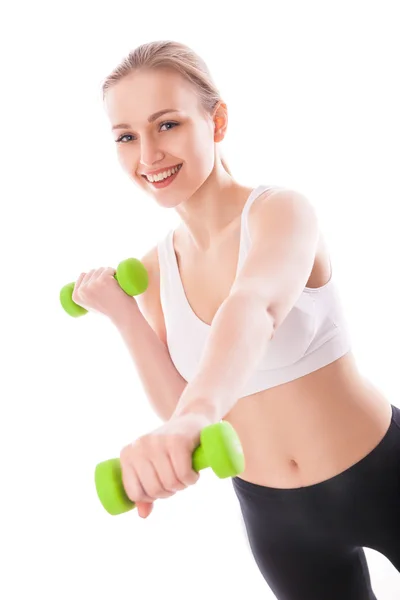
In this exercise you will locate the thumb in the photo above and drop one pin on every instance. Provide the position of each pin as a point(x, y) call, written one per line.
point(144, 508)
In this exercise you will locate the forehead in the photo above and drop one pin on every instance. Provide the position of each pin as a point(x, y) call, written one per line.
point(142, 93)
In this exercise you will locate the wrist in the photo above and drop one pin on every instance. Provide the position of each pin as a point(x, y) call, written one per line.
point(125, 313)
point(201, 408)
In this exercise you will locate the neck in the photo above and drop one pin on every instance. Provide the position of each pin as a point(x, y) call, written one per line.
point(209, 214)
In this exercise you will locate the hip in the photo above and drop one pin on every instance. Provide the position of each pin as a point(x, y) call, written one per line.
point(363, 497)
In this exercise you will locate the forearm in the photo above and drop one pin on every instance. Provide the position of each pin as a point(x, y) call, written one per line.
point(240, 332)
point(161, 381)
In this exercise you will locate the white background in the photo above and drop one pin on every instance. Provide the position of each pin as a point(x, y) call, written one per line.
point(313, 98)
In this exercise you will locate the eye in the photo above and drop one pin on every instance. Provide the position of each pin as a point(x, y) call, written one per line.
point(127, 135)
point(119, 140)
point(169, 123)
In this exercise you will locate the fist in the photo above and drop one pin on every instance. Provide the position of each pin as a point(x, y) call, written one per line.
point(99, 291)
point(159, 464)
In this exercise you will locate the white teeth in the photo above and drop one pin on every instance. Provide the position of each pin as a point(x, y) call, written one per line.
point(161, 176)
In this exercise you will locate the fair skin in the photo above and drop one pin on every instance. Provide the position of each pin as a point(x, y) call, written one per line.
point(207, 199)
point(295, 434)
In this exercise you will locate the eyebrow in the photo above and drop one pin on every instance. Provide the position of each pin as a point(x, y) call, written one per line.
point(150, 119)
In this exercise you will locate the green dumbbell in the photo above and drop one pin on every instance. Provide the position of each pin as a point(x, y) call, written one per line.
point(131, 275)
point(219, 448)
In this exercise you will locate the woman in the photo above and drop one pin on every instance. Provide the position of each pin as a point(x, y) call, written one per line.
point(242, 322)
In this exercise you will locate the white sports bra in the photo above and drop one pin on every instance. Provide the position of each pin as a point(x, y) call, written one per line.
point(313, 334)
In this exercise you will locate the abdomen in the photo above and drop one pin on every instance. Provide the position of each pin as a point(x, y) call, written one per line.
point(308, 430)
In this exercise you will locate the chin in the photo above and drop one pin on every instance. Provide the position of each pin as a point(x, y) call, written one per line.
point(168, 201)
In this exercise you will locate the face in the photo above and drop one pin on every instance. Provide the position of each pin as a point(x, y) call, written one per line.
point(184, 139)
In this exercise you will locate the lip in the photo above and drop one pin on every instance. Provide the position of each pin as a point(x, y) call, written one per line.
point(160, 170)
point(164, 183)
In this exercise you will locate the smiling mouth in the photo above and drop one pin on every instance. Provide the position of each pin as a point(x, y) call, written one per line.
point(165, 181)
point(158, 177)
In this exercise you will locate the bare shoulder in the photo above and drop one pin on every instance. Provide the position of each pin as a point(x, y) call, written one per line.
point(289, 203)
point(283, 207)
point(149, 302)
point(282, 198)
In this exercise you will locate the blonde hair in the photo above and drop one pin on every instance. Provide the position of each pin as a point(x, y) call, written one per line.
point(173, 55)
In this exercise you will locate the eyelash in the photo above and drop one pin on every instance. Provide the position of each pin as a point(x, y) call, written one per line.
point(118, 141)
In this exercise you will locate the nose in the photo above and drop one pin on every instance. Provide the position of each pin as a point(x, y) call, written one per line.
point(149, 152)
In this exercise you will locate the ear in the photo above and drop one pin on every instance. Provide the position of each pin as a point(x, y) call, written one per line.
point(220, 118)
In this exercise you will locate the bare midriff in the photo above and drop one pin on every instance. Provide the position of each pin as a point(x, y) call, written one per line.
point(311, 429)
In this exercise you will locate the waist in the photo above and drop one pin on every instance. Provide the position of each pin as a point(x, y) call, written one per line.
point(310, 429)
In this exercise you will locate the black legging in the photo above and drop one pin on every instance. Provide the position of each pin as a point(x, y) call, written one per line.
point(308, 542)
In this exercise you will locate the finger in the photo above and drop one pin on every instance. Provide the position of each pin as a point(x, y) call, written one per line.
point(151, 482)
point(98, 273)
point(77, 285)
point(103, 273)
point(144, 509)
point(182, 463)
point(88, 277)
point(80, 278)
point(109, 271)
point(132, 484)
point(166, 473)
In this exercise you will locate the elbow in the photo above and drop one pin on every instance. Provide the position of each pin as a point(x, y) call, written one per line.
point(271, 321)
point(267, 313)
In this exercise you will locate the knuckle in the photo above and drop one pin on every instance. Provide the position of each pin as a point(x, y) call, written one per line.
point(150, 486)
point(155, 486)
point(194, 477)
point(153, 490)
point(89, 274)
point(131, 486)
point(133, 493)
point(188, 476)
point(174, 443)
point(77, 296)
point(125, 454)
point(174, 485)
point(99, 272)
point(140, 495)
point(142, 445)
point(189, 480)
point(170, 482)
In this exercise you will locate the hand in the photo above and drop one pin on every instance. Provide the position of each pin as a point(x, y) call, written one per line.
point(159, 464)
point(100, 292)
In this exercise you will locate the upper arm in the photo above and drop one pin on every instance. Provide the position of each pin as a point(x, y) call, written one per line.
point(284, 234)
point(149, 302)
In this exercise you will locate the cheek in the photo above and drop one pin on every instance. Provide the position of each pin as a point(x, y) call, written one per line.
point(200, 150)
point(203, 156)
point(124, 159)
point(195, 142)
